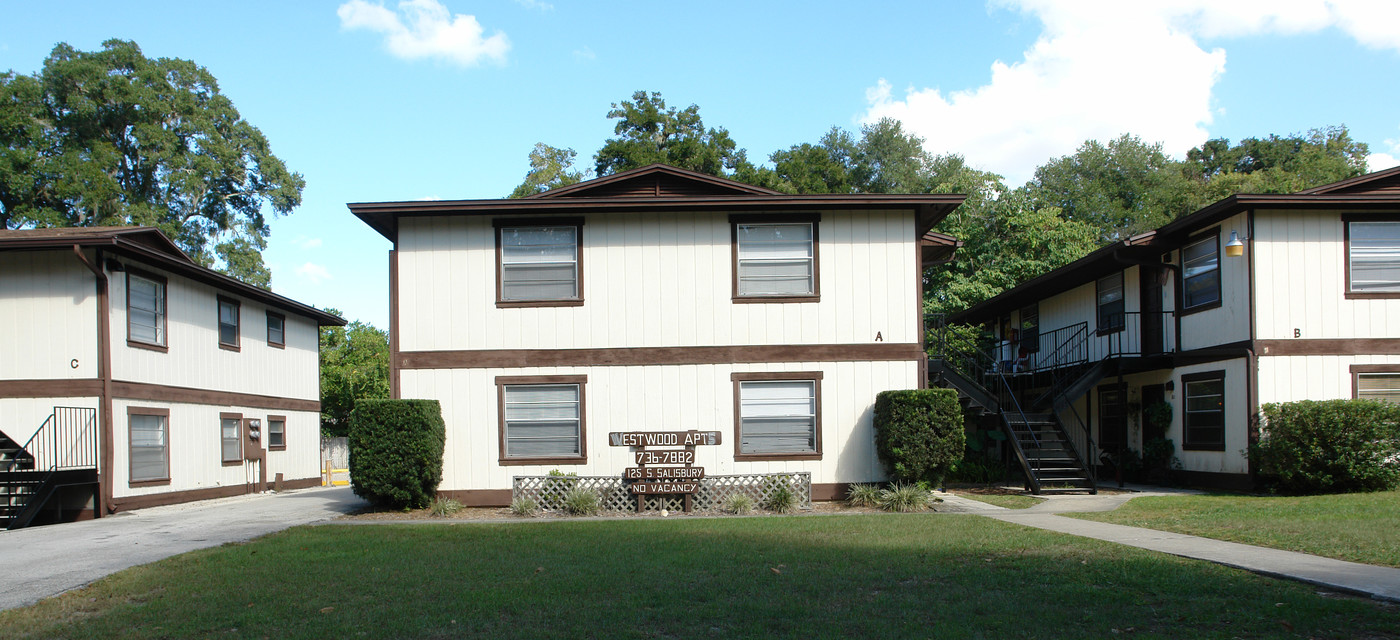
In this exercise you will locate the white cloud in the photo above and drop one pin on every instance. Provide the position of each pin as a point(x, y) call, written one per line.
point(313, 273)
point(426, 29)
point(308, 243)
point(585, 54)
point(1102, 68)
point(535, 4)
point(1378, 161)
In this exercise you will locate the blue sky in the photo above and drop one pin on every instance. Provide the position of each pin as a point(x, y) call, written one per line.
point(443, 99)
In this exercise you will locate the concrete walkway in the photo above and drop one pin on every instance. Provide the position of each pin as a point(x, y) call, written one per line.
point(1382, 583)
point(46, 561)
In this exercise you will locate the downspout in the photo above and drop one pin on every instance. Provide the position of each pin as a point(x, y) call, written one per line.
point(1251, 370)
point(394, 321)
point(104, 375)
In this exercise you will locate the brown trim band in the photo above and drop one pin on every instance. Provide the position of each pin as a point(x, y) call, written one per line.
point(192, 495)
point(479, 497)
point(53, 388)
point(830, 491)
point(186, 395)
point(647, 356)
point(1328, 347)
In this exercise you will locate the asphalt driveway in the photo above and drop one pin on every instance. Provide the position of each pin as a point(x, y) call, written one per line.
point(46, 561)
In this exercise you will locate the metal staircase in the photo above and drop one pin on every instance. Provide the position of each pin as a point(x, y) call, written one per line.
point(1050, 459)
point(60, 455)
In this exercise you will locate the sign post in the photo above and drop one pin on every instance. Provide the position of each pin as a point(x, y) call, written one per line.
point(680, 476)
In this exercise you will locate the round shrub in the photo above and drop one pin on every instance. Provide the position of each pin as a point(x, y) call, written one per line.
point(396, 451)
point(1328, 446)
point(918, 433)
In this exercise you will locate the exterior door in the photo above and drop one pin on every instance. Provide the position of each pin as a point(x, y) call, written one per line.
point(1150, 281)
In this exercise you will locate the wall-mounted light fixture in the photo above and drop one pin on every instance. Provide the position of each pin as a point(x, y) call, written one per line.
point(1235, 247)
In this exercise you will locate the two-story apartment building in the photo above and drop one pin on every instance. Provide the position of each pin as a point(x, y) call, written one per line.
point(1251, 300)
point(657, 300)
point(125, 364)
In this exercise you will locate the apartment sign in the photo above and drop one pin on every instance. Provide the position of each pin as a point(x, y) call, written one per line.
point(680, 477)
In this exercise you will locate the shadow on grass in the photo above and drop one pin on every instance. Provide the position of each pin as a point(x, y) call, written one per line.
point(849, 576)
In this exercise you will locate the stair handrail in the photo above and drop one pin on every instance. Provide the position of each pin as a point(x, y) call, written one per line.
point(44, 445)
point(1059, 383)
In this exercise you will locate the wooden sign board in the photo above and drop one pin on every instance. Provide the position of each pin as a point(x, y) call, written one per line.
point(668, 456)
point(663, 438)
point(664, 473)
point(663, 487)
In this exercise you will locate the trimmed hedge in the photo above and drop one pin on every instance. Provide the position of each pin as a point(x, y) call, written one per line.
point(396, 451)
point(919, 433)
point(1328, 446)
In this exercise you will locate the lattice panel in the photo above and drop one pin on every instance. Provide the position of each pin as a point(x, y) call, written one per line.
point(551, 491)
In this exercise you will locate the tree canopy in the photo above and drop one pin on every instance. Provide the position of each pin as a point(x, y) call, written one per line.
point(550, 167)
point(354, 365)
point(112, 137)
point(649, 132)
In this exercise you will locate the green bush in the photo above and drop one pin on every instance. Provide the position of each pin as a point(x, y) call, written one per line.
point(781, 497)
point(524, 507)
point(904, 498)
point(443, 507)
point(582, 502)
point(919, 433)
point(1328, 446)
point(738, 504)
point(863, 495)
point(396, 451)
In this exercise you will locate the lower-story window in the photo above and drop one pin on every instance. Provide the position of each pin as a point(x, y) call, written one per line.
point(1204, 417)
point(542, 419)
point(231, 437)
point(777, 415)
point(149, 440)
point(1379, 386)
point(276, 433)
point(1113, 418)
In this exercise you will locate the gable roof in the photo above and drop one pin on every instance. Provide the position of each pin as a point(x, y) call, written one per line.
point(150, 246)
point(655, 180)
point(657, 189)
point(1378, 190)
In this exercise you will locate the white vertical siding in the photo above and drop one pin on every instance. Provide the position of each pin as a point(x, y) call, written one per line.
point(194, 358)
point(660, 398)
point(1229, 322)
point(1300, 272)
point(652, 280)
point(20, 418)
point(48, 316)
point(1292, 378)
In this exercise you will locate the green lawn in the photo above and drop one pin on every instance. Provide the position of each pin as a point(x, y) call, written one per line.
point(842, 576)
point(1003, 500)
point(1361, 527)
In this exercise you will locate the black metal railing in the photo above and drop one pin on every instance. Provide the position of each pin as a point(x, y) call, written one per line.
point(66, 440)
point(1134, 333)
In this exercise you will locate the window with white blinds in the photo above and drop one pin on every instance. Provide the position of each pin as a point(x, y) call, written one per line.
point(1201, 273)
point(149, 452)
point(542, 420)
point(776, 259)
point(539, 263)
point(145, 309)
point(231, 441)
point(778, 417)
point(1374, 257)
point(1378, 386)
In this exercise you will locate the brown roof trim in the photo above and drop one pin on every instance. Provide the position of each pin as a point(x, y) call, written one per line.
point(654, 168)
point(383, 216)
point(151, 247)
point(1352, 182)
point(938, 248)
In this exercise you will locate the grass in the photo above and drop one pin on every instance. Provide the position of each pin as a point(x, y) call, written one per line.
point(1004, 500)
point(1360, 527)
point(839, 576)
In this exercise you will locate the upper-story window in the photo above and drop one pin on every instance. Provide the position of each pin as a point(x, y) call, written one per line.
point(1110, 302)
point(1373, 258)
point(775, 259)
point(539, 263)
point(228, 323)
point(276, 329)
point(145, 310)
point(1200, 272)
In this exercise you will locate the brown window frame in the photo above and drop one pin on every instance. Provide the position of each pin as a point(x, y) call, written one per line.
point(503, 381)
point(1187, 444)
point(1098, 306)
point(164, 316)
point(739, 377)
point(281, 318)
point(1357, 370)
point(147, 411)
point(268, 430)
point(1219, 274)
point(517, 223)
point(736, 219)
point(237, 322)
point(230, 462)
point(1347, 219)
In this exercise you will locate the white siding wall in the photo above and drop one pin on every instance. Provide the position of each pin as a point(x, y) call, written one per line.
point(21, 417)
point(655, 280)
point(660, 398)
point(194, 358)
point(1301, 280)
point(195, 454)
point(1230, 322)
point(1232, 459)
point(1290, 378)
point(48, 313)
